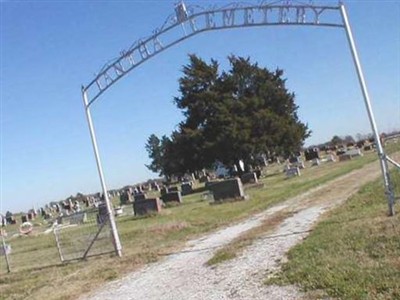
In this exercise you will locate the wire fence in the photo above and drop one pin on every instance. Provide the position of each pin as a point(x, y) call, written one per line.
point(395, 180)
point(41, 243)
point(84, 234)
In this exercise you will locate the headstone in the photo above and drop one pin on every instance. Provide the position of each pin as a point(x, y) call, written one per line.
point(173, 189)
point(344, 157)
point(139, 196)
point(24, 218)
point(143, 207)
point(155, 186)
point(186, 188)
point(78, 218)
point(315, 162)
point(204, 179)
point(294, 159)
point(354, 152)
point(292, 172)
point(331, 158)
point(360, 144)
point(340, 152)
point(311, 154)
point(164, 190)
point(172, 197)
point(227, 189)
point(126, 197)
point(31, 216)
point(299, 164)
point(367, 148)
point(118, 211)
point(139, 189)
point(11, 220)
point(249, 178)
point(102, 215)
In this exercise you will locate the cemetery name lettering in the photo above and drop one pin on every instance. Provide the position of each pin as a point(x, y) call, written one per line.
point(203, 21)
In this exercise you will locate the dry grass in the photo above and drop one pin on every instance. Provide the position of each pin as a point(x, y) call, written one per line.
point(236, 247)
point(145, 240)
point(353, 254)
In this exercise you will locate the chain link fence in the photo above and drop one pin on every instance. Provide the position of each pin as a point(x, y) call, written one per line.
point(40, 243)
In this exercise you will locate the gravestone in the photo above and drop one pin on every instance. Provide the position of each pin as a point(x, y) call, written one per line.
point(344, 157)
point(118, 211)
point(172, 197)
point(367, 148)
point(126, 197)
point(173, 189)
point(249, 178)
point(209, 184)
point(186, 188)
point(140, 196)
point(311, 154)
point(11, 220)
point(204, 179)
point(315, 162)
point(360, 144)
point(331, 158)
point(294, 159)
point(164, 190)
point(227, 189)
point(292, 172)
point(340, 152)
point(78, 218)
point(299, 164)
point(31, 216)
point(102, 215)
point(155, 186)
point(24, 218)
point(143, 207)
point(354, 152)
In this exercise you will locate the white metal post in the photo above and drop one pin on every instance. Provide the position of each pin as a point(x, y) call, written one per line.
point(381, 154)
point(116, 240)
point(5, 250)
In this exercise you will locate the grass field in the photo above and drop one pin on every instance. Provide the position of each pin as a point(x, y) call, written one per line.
point(353, 254)
point(147, 239)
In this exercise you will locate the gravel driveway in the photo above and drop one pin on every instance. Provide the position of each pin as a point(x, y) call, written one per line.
point(184, 275)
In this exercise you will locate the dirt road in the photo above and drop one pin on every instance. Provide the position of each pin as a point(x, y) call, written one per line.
point(184, 275)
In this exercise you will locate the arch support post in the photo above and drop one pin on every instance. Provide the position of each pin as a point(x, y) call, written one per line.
point(114, 231)
point(382, 156)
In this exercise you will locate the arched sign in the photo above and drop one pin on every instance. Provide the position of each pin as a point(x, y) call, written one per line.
point(186, 22)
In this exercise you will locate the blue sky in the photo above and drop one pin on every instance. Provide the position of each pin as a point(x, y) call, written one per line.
point(50, 48)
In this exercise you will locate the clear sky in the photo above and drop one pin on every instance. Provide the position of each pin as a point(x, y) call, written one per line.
point(50, 48)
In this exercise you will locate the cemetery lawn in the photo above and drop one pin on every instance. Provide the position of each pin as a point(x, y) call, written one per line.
point(352, 254)
point(37, 272)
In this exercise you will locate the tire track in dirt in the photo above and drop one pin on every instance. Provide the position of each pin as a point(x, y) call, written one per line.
point(184, 275)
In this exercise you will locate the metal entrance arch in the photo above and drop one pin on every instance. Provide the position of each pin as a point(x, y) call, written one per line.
point(188, 22)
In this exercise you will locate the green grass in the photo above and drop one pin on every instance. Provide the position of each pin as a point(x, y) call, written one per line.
point(236, 247)
point(37, 273)
point(353, 254)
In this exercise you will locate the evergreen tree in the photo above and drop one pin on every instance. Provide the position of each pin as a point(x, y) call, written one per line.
point(232, 116)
